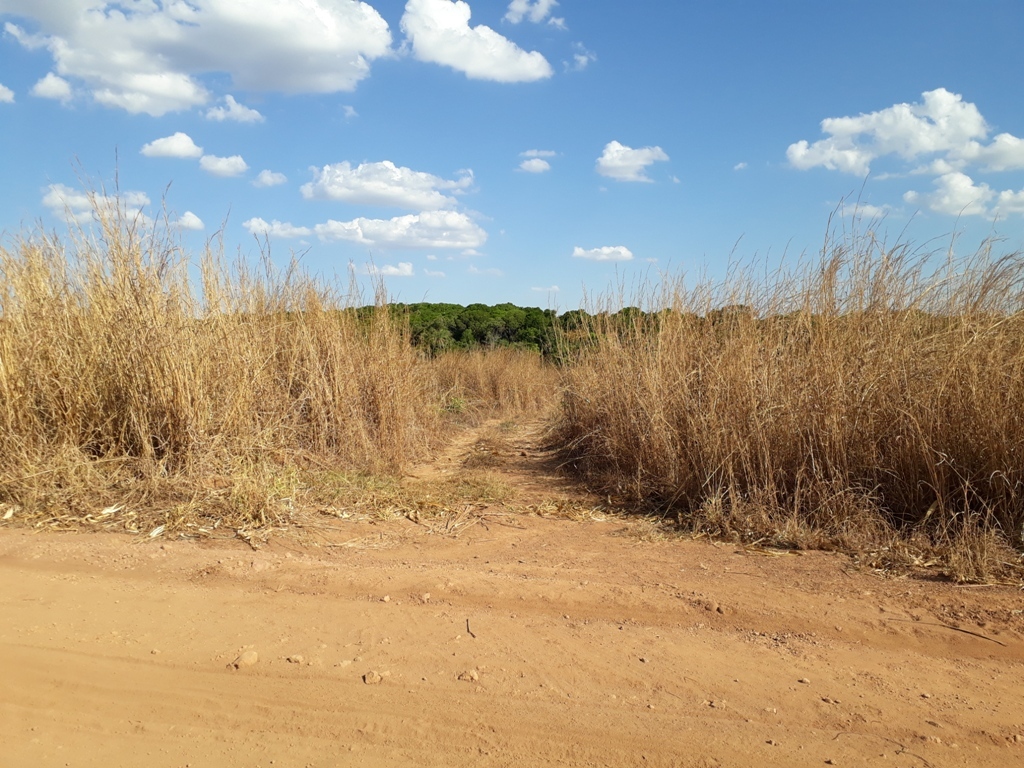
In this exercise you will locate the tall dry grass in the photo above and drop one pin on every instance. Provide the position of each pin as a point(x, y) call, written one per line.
point(483, 383)
point(141, 388)
point(872, 399)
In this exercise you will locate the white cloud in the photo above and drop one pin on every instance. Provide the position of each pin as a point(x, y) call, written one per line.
point(439, 32)
point(605, 253)
point(429, 229)
point(6, 95)
point(492, 272)
point(538, 153)
point(956, 194)
point(1005, 153)
point(176, 145)
point(189, 220)
point(404, 269)
point(941, 124)
point(385, 184)
point(350, 112)
point(626, 164)
point(550, 289)
point(223, 166)
point(52, 87)
point(1010, 202)
point(234, 111)
point(535, 165)
point(80, 207)
point(557, 22)
point(535, 11)
point(275, 228)
point(267, 178)
point(739, 166)
point(866, 211)
point(149, 57)
point(433, 273)
point(581, 58)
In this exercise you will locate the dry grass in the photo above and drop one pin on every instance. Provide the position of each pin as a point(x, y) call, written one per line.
point(141, 388)
point(871, 400)
point(482, 383)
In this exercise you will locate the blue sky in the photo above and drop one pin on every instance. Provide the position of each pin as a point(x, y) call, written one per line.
point(517, 150)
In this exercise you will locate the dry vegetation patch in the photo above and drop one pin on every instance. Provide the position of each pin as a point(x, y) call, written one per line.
point(872, 401)
point(147, 391)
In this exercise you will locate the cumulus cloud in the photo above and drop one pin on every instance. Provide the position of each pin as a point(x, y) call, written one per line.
point(535, 165)
point(536, 11)
point(866, 211)
point(624, 163)
point(1010, 202)
point(80, 206)
point(429, 229)
point(223, 166)
point(149, 57)
point(267, 178)
point(605, 253)
point(942, 124)
point(384, 183)
point(439, 32)
point(189, 220)
point(941, 136)
point(955, 194)
point(234, 111)
point(52, 87)
point(6, 95)
point(176, 145)
point(403, 269)
point(275, 228)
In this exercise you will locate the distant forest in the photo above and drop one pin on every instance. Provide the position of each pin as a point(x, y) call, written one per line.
point(439, 327)
point(436, 328)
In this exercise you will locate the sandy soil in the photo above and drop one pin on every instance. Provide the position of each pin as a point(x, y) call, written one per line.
point(494, 637)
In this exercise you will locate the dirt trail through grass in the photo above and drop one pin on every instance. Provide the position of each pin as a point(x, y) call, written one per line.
point(495, 616)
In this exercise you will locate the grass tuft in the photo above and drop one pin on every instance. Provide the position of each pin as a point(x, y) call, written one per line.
point(876, 392)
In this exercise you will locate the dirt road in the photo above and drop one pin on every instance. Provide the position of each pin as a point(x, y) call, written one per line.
point(494, 638)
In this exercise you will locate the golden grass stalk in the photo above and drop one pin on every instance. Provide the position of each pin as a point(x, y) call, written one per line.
point(132, 376)
point(876, 391)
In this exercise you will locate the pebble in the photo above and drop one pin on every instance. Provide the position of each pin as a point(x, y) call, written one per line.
point(246, 659)
point(295, 659)
point(373, 678)
point(386, 599)
point(804, 680)
point(469, 676)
